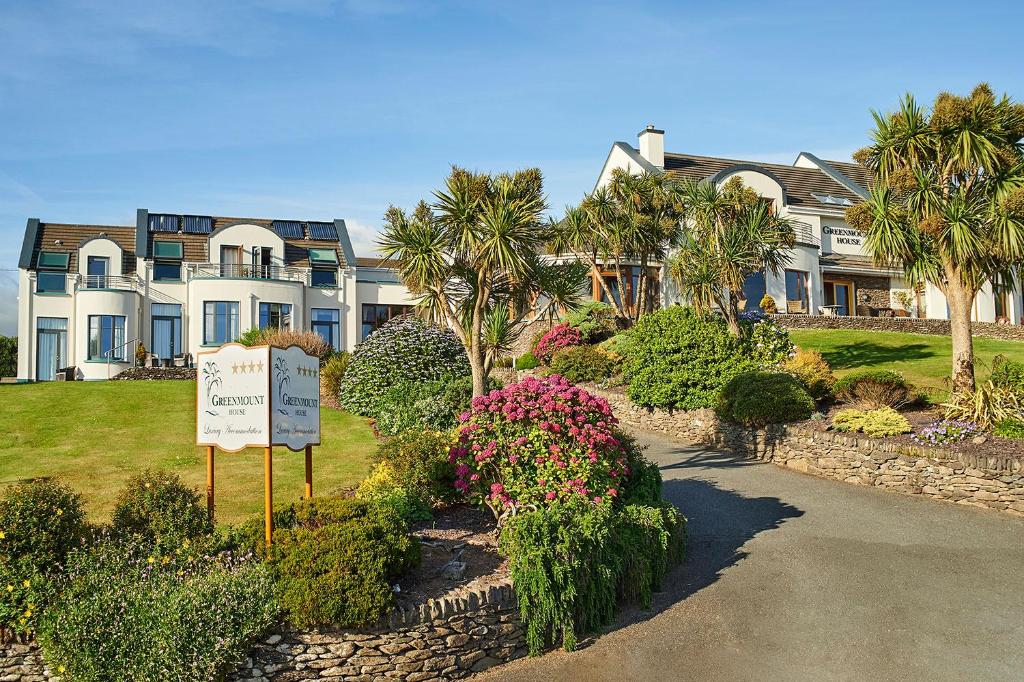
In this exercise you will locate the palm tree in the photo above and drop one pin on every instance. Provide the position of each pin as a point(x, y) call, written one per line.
point(472, 256)
point(947, 201)
point(729, 234)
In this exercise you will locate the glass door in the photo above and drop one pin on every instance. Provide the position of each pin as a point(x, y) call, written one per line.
point(230, 261)
point(51, 347)
point(166, 330)
point(97, 270)
point(839, 297)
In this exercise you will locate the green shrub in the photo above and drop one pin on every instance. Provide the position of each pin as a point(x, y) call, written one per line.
point(643, 486)
point(877, 423)
point(251, 337)
point(1007, 374)
point(583, 363)
point(40, 523)
point(768, 305)
point(433, 405)
point(124, 614)
point(1010, 428)
point(382, 487)
point(768, 343)
point(406, 348)
point(527, 361)
point(573, 564)
point(8, 356)
point(760, 398)
point(595, 320)
point(677, 359)
point(330, 377)
point(811, 370)
point(986, 405)
point(873, 388)
point(413, 474)
point(618, 345)
point(158, 507)
point(335, 565)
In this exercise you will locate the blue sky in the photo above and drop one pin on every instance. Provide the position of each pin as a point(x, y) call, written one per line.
point(321, 109)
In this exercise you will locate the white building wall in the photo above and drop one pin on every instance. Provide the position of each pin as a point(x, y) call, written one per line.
point(103, 248)
point(88, 302)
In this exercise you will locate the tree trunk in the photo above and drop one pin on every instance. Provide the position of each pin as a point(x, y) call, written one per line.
point(732, 314)
point(477, 365)
point(960, 299)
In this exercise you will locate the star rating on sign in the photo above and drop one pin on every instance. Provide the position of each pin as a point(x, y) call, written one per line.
point(246, 368)
point(307, 371)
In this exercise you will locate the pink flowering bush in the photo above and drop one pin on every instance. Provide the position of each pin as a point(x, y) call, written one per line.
point(537, 442)
point(558, 337)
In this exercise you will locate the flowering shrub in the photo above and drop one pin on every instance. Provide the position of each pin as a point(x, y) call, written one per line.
point(406, 348)
point(558, 337)
point(128, 613)
point(945, 432)
point(769, 343)
point(536, 442)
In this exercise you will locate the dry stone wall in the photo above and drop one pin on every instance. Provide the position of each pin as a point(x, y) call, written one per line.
point(991, 482)
point(990, 330)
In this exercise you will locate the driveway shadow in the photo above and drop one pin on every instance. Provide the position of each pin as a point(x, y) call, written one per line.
point(701, 457)
point(719, 523)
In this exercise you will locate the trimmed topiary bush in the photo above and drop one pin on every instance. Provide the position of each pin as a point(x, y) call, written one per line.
point(527, 361)
point(811, 370)
point(873, 388)
point(677, 359)
point(158, 507)
point(555, 339)
point(335, 565)
point(583, 363)
point(431, 405)
point(126, 613)
point(768, 305)
point(595, 320)
point(536, 442)
point(40, 523)
point(405, 349)
point(760, 398)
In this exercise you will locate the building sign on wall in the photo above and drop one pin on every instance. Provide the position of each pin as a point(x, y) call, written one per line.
point(844, 235)
point(257, 397)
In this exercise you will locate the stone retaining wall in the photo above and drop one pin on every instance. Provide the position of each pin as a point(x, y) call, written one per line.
point(992, 482)
point(464, 632)
point(156, 374)
point(990, 330)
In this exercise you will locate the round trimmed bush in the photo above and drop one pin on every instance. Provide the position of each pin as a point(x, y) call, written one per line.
point(811, 370)
point(873, 388)
point(538, 442)
point(555, 339)
point(760, 398)
point(527, 361)
point(583, 363)
point(158, 507)
point(677, 359)
point(405, 349)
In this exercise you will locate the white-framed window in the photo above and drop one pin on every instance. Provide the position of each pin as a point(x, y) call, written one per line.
point(220, 322)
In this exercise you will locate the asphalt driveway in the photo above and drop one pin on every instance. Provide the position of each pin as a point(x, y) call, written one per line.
point(791, 577)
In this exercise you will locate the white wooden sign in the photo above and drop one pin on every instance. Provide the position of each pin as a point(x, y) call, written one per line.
point(257, 397)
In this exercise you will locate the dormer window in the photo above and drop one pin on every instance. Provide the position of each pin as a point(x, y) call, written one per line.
point(167, 257)
point(52, 267)
point(325, 267)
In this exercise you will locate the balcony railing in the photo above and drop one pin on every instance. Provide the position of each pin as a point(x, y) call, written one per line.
point(805, 234)
point(242, 271)
point(118, 282)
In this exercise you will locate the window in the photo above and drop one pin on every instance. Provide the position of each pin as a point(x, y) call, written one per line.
point(51, 283)
point(322, 277)
point(51, 346)
point(96, 272)
point(167, 257)
point(797, 291)
point(168, 250)
point(326, 323)
point(376, 314)
point(220, 322)
point(106, 337)
point(166, 271)
point(166, 337)
point(52, 275)
point(276, 315)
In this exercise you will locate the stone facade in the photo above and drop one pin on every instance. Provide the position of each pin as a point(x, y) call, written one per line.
point(872, 292)
point(990, 330)
point(943, 474)
point(466, 631)
point(157, 374)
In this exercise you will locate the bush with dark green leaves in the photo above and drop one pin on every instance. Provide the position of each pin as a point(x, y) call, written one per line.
point(527, 361)
point(40, 523)
point(1009, 374)
point(595, 320)
point(873, 388)
point(413, 474)
point(8, 356)
point(126, 612)
point(583, 363)
point(405, 349)
point(574, 564)
point(677, 359)
point(760, 398)
point(158, 507)
point(433, 405)
point(337, 560)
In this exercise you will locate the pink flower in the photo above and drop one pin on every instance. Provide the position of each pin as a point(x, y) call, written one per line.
point(550, 496)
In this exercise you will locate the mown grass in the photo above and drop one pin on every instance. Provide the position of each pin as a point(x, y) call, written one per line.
point(923, 359)
point(95, 435)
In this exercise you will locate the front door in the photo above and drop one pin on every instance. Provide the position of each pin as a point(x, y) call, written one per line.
point(840, 295)
point(96, 273)
point(50, 349)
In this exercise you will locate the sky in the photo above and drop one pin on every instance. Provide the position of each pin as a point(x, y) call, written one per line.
point(320, 109)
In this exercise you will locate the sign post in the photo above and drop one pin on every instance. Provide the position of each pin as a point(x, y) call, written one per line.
point(258, 396)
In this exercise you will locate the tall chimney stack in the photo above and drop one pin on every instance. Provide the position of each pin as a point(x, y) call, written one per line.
point(652, 145)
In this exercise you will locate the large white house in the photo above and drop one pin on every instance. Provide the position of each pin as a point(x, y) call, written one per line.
point(829, 272)
point(88, 294)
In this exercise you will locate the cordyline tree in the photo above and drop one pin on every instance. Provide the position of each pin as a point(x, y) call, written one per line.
point(947, 201)
point(472, 256)
point(729, 233)
point(631, 219)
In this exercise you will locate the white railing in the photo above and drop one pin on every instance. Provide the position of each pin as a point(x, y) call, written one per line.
point(118, 282)
point(805, 234)
point(244, 271)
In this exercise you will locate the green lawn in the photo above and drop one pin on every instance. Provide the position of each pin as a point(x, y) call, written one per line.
point(94, 435)
point(923, 359)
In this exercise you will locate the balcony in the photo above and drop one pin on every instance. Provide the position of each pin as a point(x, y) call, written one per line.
point(107, 283)
point(805, 234)
point(278, 273)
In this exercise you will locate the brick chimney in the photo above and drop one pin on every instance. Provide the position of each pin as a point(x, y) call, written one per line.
point(652, 145)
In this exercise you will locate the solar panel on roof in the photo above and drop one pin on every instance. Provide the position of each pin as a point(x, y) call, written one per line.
point(323, 231)
point(159, 222)
point(288, 229)
point(198, 224)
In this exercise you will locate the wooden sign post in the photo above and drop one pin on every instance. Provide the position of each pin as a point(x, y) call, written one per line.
point(258, 396)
